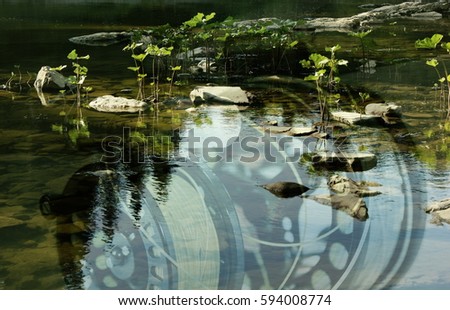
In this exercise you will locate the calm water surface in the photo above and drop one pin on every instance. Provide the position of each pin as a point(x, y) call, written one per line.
point(196, 223)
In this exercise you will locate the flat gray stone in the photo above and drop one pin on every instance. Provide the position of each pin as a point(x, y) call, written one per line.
point(353, 118)
point(301, 131)
point(344, 161)
point(114, 104)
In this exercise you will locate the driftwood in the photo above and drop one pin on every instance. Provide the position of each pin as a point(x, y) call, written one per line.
point(403, 10)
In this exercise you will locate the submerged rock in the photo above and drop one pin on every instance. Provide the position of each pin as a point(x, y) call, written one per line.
point(114, 104)
point(353, 118)
point(286, 189)
point(350, 204)
point(440, 211)
point(102, 38)
point(377, 15)
point(344, 161)
point(220, 94)
point(344, 185)
point(383, 109)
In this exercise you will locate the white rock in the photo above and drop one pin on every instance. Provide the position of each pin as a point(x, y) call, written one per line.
point(219, 94)
point(113, 104)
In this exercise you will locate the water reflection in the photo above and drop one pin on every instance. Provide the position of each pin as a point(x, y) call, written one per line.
point(207, 224)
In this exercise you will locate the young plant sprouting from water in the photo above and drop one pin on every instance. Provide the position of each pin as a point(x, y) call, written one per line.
point(443, 77)
point(157, 54)
point(171, 78)
point(325, 76)
point(80, 73)
point(138, 68)
point(361, 35)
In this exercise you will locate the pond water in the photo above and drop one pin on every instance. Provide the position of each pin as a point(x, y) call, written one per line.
point(198, 218)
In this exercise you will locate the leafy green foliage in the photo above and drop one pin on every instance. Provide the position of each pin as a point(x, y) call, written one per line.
point(429, 43)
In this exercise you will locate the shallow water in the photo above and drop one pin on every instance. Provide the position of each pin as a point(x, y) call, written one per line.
point(202, 220)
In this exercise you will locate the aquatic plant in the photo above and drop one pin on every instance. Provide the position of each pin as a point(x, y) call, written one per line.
point(443, 76)
point(138, 67)
point(361, 36)
point(80, 73)
point(325, 76)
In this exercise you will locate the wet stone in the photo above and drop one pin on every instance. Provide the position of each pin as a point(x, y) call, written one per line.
point(286, 189)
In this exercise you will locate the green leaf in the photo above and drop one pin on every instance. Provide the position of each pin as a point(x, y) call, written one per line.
point(432, 62)
point(442, 79)
point(176, 68)
point(446, 46)
point(429, 43)
point(448, 78)
point(139, 57)
point(194, 20)
point(360, 34)
point(84, 57)
point(72, 55)
point(319, 60)
point(135, 69)
point(209, 16)
point(305, 63)
point(293, 43)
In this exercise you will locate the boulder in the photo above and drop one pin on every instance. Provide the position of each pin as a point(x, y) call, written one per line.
point(344, 185)
point(383, 109)
point(46, 75)
point(344, 161)
point(286, 189)
point(114, 104)
point(219, 94)
point(350, 204)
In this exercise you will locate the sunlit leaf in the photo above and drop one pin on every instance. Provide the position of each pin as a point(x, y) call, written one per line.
point(135, 69)
point(139, 57)
point(429, 43)
point(72, 55)
point(446, 46)
point(432, 62)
